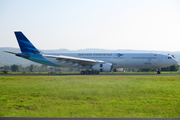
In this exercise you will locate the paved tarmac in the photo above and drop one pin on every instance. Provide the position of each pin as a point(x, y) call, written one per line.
point(90, 74)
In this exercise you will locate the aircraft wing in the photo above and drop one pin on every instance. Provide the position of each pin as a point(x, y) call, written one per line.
point(74, 60)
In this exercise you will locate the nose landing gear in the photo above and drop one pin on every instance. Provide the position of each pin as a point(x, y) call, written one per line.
point(159, 71)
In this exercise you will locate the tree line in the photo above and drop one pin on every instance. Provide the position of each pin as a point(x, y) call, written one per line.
point(45, 68)
point(35, 68)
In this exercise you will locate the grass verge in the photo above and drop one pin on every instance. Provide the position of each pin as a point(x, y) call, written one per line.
point(90, 96)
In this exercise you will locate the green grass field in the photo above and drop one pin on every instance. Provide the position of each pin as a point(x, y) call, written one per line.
point(90, 96)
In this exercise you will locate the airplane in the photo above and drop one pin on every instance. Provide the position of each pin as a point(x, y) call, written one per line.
point(92, 63)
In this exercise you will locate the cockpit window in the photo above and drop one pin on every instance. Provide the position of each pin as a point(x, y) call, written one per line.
point(169, 57)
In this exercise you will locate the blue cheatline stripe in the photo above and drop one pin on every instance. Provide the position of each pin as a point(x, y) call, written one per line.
point(41, 60)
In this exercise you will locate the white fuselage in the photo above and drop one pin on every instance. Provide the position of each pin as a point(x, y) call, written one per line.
point(119, 60)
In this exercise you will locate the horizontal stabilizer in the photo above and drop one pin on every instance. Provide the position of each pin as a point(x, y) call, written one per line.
point(10, 52)
point(17, 54)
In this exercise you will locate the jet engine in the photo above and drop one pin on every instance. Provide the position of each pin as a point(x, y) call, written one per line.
point(102, 67)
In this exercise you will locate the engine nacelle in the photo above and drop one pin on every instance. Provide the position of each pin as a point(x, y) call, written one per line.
point(102, 67)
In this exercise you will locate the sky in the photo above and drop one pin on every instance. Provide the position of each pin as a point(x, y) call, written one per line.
point(103, 24)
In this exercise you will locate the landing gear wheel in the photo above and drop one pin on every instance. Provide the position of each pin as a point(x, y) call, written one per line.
point(91, 72)
point(96, 72)
point(82, 72)
point(87, 72)
point(158, 72)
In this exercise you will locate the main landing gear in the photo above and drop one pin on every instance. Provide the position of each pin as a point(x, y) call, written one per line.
point(159, 71)
point(89, 72)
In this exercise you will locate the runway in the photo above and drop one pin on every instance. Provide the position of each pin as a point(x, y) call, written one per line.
point(76, 74)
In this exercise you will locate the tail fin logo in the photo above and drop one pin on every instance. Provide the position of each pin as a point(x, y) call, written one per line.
point(24, 44)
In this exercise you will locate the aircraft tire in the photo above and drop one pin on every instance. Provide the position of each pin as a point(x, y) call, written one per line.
point(96, 72)
point(87, 72)
point(82, 72)
point(90, 72)
point(158, 72)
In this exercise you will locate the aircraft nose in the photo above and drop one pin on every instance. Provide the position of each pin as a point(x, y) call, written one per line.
point(175, 61)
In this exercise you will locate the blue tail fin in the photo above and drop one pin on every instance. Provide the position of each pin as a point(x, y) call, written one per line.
point(24, 44)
